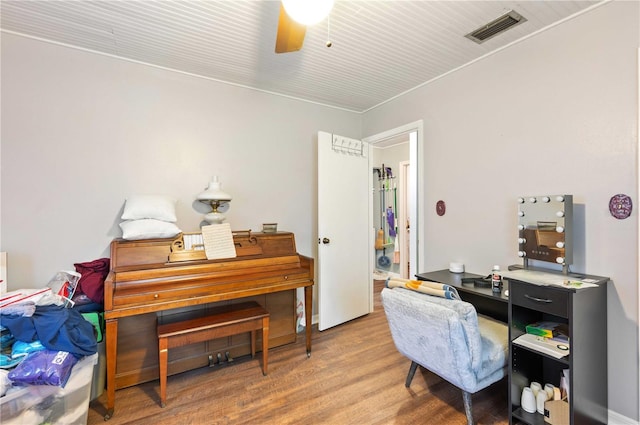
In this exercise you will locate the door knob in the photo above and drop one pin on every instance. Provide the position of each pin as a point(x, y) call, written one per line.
point(325, 240)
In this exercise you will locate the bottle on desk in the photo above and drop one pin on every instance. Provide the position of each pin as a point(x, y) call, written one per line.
point(496, 279)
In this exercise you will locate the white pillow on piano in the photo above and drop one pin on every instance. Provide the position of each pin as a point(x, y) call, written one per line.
point(148, 228)
point(158, 207)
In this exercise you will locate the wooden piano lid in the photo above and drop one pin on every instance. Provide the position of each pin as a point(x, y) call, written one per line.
point(150, 253)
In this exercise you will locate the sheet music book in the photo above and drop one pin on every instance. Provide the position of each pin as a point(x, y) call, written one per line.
point(218, 241)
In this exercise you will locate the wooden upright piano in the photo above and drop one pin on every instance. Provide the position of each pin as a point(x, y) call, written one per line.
point(144, 287)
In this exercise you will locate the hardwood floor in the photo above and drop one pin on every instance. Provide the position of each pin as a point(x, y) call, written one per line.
point(355, 375)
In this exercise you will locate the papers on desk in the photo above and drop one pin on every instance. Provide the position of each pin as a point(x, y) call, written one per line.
point(545, 279)
point(544, 345)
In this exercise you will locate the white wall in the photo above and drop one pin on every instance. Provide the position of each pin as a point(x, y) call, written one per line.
point(82, 131)
point(554, 114)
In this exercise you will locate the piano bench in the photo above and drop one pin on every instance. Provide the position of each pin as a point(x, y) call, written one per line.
point(221, 322)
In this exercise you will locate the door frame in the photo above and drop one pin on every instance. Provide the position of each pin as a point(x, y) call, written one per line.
point(638, 197)
point(403, 176)
point(416, 200)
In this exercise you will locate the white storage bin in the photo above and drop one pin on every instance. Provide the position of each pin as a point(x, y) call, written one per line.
point(99, 372)
point(36, 404)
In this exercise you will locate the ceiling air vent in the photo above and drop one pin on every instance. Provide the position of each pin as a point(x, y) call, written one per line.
point(497, 26)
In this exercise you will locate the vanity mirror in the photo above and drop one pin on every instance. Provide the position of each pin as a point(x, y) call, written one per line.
point(545, 229)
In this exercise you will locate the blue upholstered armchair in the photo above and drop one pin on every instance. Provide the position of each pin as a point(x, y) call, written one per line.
point(448, 338)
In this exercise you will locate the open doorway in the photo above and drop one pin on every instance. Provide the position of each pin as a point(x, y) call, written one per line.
point(391, 159)
point(413, 168)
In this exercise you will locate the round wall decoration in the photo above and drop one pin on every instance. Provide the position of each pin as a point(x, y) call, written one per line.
point(620, 206)
point(441, 208)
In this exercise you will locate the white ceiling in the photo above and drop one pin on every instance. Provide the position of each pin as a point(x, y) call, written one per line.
point(380, 50)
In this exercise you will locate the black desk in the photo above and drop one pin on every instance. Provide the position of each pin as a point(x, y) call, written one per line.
point(485, 301)
point(583, 310)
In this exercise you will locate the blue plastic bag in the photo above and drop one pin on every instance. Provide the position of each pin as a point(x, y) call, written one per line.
point(44, 367)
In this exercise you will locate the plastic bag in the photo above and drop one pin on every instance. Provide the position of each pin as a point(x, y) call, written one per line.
point(64, 284)
point(44, 367)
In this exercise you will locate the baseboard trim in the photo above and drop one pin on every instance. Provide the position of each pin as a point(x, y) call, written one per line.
point(618, 419)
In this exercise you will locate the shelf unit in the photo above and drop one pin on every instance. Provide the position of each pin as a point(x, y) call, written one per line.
point(584, 311)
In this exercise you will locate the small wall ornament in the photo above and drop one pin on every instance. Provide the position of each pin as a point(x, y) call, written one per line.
point(441, 208)
point(620, 206)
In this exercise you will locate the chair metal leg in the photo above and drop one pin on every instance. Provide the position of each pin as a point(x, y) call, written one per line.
point(412, 371)
point(466, 398)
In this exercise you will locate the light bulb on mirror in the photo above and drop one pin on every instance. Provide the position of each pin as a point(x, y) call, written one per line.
point(560, 245)
point(560, 260)
point(560, 214)
point(533, 200)
point(520, 226)
point(522, 240)
point(521, 213)
point(522, 254)
point(559, 229)
point(546, 199)
point(521, 200)
point(560, 198)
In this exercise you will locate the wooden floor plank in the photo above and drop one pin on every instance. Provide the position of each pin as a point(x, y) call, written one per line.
point(355, 375)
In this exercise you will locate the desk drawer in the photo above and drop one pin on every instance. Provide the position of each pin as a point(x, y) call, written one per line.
point(541, 298)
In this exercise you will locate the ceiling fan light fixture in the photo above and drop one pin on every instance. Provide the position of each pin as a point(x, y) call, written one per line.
point(307, 12)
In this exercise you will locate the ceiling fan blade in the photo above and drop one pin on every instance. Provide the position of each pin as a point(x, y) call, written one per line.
point(290, 33)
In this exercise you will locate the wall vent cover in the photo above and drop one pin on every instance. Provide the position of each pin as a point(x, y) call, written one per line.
point(497, 26)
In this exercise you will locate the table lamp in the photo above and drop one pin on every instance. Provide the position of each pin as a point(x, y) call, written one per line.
point(215, 197)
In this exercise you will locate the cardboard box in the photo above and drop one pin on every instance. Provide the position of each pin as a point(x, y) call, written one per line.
point(549, 330)
point(36, 404)
point(556, 412)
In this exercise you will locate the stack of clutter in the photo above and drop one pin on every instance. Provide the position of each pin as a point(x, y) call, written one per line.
point(48, 350)
point(149, 217)
point(41, 336)
point(435, 289)
point(536, 398)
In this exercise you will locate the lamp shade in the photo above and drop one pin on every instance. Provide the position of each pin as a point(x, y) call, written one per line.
point(214, 192)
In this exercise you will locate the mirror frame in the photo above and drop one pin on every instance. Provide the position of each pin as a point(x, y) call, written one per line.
point(545, 229)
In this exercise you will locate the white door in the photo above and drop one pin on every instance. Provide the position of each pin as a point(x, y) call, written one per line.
point(344, 290)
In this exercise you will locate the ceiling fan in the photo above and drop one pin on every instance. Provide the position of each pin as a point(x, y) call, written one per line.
point(295, 16)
